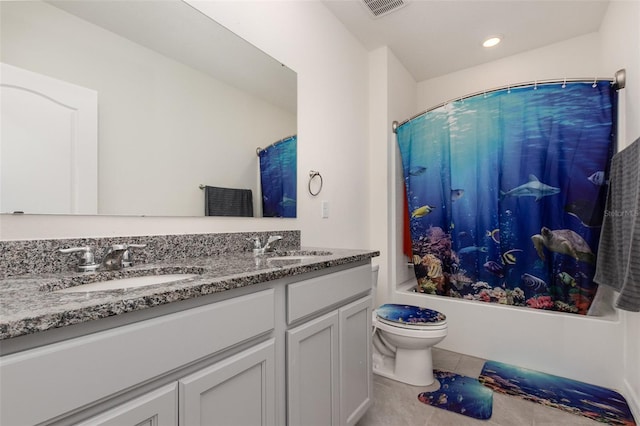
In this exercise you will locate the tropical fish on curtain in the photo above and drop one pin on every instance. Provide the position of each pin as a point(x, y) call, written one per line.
point(506, 194)
point(278, 171)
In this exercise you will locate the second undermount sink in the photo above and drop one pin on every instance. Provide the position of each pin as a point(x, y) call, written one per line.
point(292, 258)
point(300, 255)
point(124, 283)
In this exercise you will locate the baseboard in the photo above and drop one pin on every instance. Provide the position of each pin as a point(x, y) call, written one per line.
point(633, 399)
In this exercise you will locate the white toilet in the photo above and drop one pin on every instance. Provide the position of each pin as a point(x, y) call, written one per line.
point(402, 339)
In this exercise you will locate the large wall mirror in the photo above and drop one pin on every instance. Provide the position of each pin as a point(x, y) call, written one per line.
point(179, 103)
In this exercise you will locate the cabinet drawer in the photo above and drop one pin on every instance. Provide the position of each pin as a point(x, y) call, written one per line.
point(307, 297)
point(42, 383)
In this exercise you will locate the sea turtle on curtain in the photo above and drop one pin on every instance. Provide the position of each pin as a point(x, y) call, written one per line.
point(563, 241)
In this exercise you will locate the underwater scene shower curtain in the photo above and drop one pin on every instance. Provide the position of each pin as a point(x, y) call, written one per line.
point(278, 171)
point(506, 193)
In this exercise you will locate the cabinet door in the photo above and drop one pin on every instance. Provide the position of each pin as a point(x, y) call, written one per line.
point(157, 408)
point(239, 390)
point(312, 373)
point(355, 360)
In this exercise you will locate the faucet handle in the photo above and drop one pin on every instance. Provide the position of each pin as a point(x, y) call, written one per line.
point(270, 244)
point(126, 257)
point(87, 262)
point(256, 242)
point(113, 259)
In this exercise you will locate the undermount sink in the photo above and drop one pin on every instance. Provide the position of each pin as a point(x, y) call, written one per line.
point(123, 283)
point(295, 256)
point(122, 279)
point(281, 261)
point(299, 255)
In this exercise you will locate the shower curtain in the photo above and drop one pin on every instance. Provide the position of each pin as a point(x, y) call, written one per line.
point(506, 193)
point(278, 173)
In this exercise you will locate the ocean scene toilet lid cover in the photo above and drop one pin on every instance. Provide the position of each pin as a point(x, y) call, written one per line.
point(408, 314)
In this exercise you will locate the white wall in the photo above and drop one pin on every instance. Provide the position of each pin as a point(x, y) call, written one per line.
point(620, 34)
point(576, 57)
point(620, 31)
point(379, 202)
point(332, 70)
point(392, 92)
point(164, 128)
point(402, 94)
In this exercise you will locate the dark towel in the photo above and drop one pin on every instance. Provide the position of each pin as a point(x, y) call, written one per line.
point(619, 250)
point(227, 202)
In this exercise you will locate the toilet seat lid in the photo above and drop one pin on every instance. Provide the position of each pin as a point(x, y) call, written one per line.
point(410, 315)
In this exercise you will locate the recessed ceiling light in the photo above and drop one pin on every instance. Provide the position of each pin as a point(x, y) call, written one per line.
point(492, 41)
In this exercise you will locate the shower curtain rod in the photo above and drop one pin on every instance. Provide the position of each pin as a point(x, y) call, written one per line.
point(258, 149)
point(618, 82)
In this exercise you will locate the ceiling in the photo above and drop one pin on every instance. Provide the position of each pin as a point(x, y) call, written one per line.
point(436, 37)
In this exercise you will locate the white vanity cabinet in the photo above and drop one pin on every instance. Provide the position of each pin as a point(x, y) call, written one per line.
point(329, 379)
point(53, 383)
point(293, 351)
point(239, 390)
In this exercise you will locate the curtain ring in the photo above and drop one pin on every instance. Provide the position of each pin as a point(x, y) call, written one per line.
point(312, 175)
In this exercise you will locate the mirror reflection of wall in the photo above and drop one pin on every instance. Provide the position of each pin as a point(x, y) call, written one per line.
point(164, 126)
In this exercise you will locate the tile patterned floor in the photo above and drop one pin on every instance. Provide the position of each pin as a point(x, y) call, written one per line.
point(396, 404)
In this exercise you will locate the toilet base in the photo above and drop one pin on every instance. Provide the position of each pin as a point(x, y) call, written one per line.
point(413, 367)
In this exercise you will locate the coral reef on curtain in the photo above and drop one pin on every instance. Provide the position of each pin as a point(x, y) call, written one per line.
point(506, 194)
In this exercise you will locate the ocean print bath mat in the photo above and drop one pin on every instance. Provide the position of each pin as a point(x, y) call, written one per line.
point(595, 402)
point(460, 394)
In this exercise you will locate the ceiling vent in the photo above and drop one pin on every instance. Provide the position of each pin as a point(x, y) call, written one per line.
point(379, 8)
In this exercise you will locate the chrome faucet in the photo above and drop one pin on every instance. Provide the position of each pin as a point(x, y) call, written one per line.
point(117, 256)
point(269, 246)
point(126, 256)
point(112, 260)
point(87, 261)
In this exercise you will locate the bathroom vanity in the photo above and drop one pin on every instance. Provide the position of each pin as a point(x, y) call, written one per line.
point(267, 340)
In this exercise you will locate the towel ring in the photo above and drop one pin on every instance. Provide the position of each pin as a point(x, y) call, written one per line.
point(312, 175)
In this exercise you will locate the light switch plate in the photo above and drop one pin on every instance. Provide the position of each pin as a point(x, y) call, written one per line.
point(325, 209)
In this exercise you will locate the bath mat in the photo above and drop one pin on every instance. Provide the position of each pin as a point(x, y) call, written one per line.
point(595, 402)
point(460, 394)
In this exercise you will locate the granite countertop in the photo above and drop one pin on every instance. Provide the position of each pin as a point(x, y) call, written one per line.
point(29, 303)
